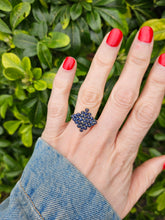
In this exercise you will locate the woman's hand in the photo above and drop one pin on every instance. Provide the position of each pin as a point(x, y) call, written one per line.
point(102, 153)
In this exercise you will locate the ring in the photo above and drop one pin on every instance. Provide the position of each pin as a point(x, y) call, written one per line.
point(84, 120)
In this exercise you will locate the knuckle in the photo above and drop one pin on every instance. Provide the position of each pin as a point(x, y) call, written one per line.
point(100, 61)
point(55, 110)
point(146, 114)
point(90, 96)
point(139, 61)
point(124, 98)
point(61, 86)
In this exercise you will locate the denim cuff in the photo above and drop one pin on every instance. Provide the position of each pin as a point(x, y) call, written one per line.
point(56, 189)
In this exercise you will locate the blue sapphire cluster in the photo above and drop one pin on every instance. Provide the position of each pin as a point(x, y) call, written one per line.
point(84, 120)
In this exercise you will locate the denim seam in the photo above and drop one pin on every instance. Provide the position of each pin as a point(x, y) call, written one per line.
point(31, 201)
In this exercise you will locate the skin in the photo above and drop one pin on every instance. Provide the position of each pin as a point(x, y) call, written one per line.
point(102, 153)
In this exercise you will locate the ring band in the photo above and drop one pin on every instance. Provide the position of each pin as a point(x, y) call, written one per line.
point(84, 120)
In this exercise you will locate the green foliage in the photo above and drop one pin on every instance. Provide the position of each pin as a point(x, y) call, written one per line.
point(35, 37)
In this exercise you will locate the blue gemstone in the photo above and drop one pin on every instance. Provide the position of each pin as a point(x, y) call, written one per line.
point(82, 112)
point(85, 128)
point(87, 109)
point(81, 130)
point(78, 114)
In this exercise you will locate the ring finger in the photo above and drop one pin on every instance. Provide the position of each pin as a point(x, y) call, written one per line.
point(91, 91)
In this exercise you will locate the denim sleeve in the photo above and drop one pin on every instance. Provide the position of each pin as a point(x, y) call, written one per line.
point(53, 188)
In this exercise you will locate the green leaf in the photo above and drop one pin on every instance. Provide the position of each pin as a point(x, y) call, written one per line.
point(13, 73)
point(159, 137)
point(86, 6)
point(37, 73)
point(48, 78)
point(75, 11)
point(11, 126)
point(9, 161)
point(6, 188)
point(94, 20)
point(26, 64)
point(3, 110)
point(56, 40)
point(25, 41)
point(161, 202)
point(40, 85)
point(19, 92)
point(43, 3)
point(84, 30)
point(75, 79)
point(158, 26)
point(40, 14)
point(155, 191)
point(10, 60)
point(5, 5)
point(161, 118)
point(19, 13)
point(44, 55)
point(114, 18)
point(4, 28)
point(1, 130)
point(6, 38)
point(102, 2)
point(6, 99)
point(160, 3)
point(74, 34)
point(65, 18)
point(4, 143)
point(13, 174)
point(39, 29)
point(20, 116)
point(26, 136)
point(154, 152)
point(36, 113)
point(96, 37)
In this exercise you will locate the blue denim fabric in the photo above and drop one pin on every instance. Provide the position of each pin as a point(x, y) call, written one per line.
point(53, 188)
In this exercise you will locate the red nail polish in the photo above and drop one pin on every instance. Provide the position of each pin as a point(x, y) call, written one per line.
point(164, 166)
point(145, 34)
point(68, 63)
point(161, 59)
point(114, 37)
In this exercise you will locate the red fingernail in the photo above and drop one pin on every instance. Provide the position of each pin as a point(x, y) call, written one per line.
point(114, 37)
point(68, 63)
point(145, 34)
point(161, 59)
point(164, 166)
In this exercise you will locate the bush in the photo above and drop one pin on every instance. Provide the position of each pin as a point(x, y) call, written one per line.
point(35, 37)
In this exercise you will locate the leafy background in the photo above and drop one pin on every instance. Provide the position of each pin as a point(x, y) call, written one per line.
point(35, 37)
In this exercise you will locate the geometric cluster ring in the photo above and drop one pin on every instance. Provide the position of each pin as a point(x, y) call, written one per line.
point(84, 120)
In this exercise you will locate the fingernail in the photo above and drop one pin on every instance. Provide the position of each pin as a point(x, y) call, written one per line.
point(145, 34)
point(114, 37)
point(164, 166)
point(161, 59)
point(68, 63)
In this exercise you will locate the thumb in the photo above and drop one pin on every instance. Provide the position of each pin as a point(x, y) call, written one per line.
point(142, 178)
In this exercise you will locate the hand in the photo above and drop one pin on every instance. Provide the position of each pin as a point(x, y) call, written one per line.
point(102, 153)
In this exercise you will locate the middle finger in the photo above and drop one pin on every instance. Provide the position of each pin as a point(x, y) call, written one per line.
point(126, 90)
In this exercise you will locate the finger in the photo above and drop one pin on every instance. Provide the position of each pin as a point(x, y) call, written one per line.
point(143, 177)
point(125, 92)
point(58, 102)
point(91, 91)
point(145, 111)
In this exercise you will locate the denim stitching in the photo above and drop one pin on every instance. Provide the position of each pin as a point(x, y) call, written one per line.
point(31, 201)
